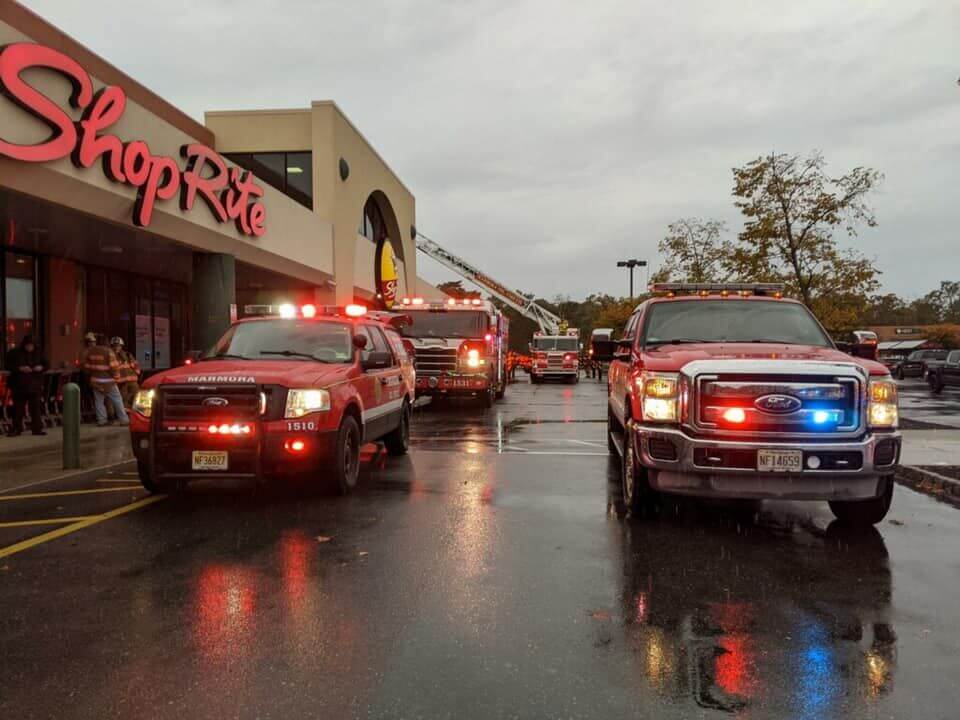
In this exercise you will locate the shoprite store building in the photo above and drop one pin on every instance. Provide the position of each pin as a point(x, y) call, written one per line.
point(122, 215)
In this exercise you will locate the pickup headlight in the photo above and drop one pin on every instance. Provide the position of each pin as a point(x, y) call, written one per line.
point(659, 396)
point(301, 402)
point(882, 404)
point(143, 402)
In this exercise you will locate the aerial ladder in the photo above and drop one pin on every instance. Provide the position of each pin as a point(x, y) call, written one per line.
point(548, 322)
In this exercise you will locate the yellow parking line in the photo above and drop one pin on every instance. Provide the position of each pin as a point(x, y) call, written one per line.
point(60, 532)
point(59, 493)
point(48, 521)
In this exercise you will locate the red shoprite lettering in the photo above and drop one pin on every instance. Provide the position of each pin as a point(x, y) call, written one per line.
point(229, 193)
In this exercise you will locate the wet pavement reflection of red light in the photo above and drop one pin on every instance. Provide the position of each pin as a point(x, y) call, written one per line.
point(225, 606)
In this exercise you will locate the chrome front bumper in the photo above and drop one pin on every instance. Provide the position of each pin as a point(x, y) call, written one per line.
point(683, 475)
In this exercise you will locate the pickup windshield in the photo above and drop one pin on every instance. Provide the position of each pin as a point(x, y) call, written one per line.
point(294, 339)
point(567, 344)
point(731, 321)
point(918, 355)
point(446, 324)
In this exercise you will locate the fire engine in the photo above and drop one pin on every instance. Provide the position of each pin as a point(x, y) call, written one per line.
point(733, 391)
point(292, 393)
point(460, 347)
point(556, 356)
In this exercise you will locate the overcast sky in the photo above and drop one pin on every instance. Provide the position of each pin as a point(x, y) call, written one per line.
point(545, 140)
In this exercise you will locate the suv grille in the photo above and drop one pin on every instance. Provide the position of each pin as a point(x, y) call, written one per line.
point(809, 405)
point(435, 360)
point(204, 403)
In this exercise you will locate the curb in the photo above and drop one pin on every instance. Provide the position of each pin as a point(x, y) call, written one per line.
point(930, 483)
point(81, 474)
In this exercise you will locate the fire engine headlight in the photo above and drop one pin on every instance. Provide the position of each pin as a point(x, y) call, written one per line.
point(472, 359)
point(883, 404)
point(300, 402)
point(659, 396)
point(143, 402)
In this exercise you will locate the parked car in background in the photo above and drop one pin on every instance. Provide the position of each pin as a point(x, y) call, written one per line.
point(915, 364)
point(944, 374)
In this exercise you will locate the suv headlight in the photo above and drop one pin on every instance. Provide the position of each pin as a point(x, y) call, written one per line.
point(659, 396)
point(143, 402)
point(882, 404)
point(300, 402)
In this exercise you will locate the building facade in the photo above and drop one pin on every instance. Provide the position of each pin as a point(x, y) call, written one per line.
point(121, 215)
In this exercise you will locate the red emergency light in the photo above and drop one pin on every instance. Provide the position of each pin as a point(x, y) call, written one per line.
point(228, 429)
point(294, 446)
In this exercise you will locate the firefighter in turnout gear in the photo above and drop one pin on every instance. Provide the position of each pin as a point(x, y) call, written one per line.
point(103, 371)
point(129, 380)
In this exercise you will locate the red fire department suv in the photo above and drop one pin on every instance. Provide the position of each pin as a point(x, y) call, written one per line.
point(297, 393)
point(731, 391)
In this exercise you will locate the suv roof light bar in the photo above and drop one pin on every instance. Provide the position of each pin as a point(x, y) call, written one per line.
point(723, 289)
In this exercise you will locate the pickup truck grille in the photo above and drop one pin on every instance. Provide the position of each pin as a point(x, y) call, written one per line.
point(774, 405)
point(202, 404)
point(435, 360)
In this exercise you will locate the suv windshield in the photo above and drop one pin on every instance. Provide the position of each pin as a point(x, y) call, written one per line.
point(928, 355)
point(286, 340)
point(446, 324)
point(732, 321)
point(556, 343)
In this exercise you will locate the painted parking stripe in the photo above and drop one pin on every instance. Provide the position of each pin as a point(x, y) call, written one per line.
point(48, 521)
point(74, 527)
point(60, 493)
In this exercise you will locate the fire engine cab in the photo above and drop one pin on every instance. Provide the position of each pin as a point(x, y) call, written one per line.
point(556, 356)
point(733, 391)
point(460, 347)
point(292, 393)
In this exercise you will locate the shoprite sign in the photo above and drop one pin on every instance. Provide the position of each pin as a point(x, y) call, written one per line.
point(230, 193)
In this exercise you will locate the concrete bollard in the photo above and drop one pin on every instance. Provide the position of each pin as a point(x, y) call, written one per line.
point(71, 426)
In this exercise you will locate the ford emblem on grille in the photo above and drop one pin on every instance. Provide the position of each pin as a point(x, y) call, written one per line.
point(217, 402)
point(778, 404)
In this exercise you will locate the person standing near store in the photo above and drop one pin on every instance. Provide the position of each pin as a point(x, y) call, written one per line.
point(27, 364)
point(129, 371)
point(103, 372)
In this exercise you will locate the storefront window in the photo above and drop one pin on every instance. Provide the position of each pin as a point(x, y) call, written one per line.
point(290, 173)
point(20, 297)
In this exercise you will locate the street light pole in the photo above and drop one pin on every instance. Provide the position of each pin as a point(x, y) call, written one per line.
point(631, 264)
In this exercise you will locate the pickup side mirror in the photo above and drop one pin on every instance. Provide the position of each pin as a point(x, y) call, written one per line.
point(376, 361)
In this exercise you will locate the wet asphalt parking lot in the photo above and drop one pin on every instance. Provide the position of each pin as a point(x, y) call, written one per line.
point(489, 574)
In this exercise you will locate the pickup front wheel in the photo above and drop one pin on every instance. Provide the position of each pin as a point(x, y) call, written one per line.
point(637, 495)
point(863, 513)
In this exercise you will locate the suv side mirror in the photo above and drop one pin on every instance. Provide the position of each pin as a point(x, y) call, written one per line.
point(359, 341)
point(376, 361)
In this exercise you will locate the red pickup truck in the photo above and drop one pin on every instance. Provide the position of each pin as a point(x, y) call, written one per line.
point(294, 394)
point(732, 391)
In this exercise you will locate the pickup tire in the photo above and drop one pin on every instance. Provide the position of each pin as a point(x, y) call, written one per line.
point(346, 456)
point(612, 427)
point(637, 495)
point(863, 513)
point(935, 382)
point(397, 440)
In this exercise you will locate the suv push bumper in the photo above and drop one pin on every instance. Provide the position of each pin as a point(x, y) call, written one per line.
point(247, 458)
point(727, 469)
